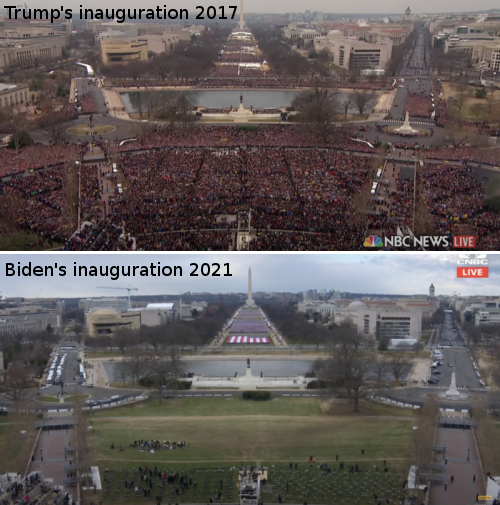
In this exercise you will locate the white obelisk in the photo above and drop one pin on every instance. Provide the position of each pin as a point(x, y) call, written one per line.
point(242, 21)
point(250, 302)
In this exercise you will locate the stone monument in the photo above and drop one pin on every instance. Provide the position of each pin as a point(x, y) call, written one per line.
point(406, 129)
point(250, 301)
point(249, 369)
point(453, 391)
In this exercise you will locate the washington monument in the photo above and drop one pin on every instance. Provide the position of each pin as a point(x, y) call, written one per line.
point(250, 301)
point(242, 20)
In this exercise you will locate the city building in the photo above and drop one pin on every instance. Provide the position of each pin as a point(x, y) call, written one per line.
point(124, 50)
point(120, 304)
point(36, 34)
point(380, 318)
point(156, 314)
point(432, 291)
point(407, 17)
point(27, 319)
point(26, 54)
point(104, 322)
point(294, 32)
point(381, 324)
point(13, 94)
point(354, 54)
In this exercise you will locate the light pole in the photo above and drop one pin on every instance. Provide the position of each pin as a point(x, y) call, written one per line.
point(79, 165)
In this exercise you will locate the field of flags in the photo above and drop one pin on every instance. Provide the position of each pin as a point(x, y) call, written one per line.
point(241, 339)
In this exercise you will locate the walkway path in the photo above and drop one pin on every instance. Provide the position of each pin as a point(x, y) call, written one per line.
point(463, 465)
point(49, 455)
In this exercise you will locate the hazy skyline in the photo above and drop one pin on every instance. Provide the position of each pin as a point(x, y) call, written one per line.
point(262, 6)
point(361, 273)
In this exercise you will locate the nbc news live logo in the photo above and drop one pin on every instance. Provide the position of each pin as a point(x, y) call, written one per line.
point(445, 242)
point(472, 266)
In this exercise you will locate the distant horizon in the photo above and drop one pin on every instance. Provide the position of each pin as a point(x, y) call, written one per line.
point(385, 273)
point(386, 7)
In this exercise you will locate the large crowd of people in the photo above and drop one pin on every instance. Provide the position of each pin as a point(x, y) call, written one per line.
point(87, 103)
point(297, 190)
point(419, 105)
point(183, 187)
point(35, 157)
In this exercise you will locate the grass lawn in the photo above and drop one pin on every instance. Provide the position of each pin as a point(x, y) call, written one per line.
point(23, 241)
point(51, 399)
point(102, 354)
point(97, 130)
point(74, 398)
point(492, 192)
point(223, 433)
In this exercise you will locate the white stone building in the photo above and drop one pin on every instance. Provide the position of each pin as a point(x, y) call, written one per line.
point(353, 54)
point(13, 94)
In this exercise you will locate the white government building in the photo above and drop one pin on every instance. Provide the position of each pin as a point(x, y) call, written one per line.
point(383, 319)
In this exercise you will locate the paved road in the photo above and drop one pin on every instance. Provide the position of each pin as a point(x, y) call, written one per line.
point(414, 72)
point(462, 464)
point(458, 357)
point(84, 87)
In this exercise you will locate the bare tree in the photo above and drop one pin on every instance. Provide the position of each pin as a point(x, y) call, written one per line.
point(380, 367)
point(185, 108)
point(456, 135)
point(159, 371)
point(420, 448)
point(16, 125)
point(16, 384)
point(54, 127)
point(346, 104)
point(122, 371)
point(348, 365)
point(161, 67)
point(491, 103)
point(136, 366)
point(478, 109)
point(362, 99)
point(176, 369)
point(125, 337)
point(462, 96)
point(318, 108)
point(156, 336)
point(398, 363)
point(82, 428)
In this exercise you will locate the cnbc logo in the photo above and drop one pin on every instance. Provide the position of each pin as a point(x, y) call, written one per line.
point(373, 241)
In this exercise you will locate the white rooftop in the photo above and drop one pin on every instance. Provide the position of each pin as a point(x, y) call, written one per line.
point(4, 87)
point(159, 305)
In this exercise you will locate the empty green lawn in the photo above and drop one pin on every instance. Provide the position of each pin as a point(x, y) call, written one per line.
point(235, 430)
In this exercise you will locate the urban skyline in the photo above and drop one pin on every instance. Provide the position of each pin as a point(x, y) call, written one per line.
point(404, 274)
point(357, 7)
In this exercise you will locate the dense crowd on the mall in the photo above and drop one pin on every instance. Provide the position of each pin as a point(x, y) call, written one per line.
point(182, 189)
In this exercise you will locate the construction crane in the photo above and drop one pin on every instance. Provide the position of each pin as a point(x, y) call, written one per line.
point(126, 289)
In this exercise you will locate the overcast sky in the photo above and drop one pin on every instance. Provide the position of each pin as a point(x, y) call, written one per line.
point(367, 273)
point(351, 7)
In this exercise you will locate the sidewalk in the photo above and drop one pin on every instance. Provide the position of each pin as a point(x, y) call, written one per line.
point(50, 447)
point(463, 491)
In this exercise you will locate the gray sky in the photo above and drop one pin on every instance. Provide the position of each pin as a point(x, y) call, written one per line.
point(389, 273)
point(352, 7)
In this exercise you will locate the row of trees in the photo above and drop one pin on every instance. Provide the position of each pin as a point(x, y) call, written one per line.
point(187, 60)
point(163, 369)
point(169, 105)
point(321, 106)
point(199, 331)
point(352, 371)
